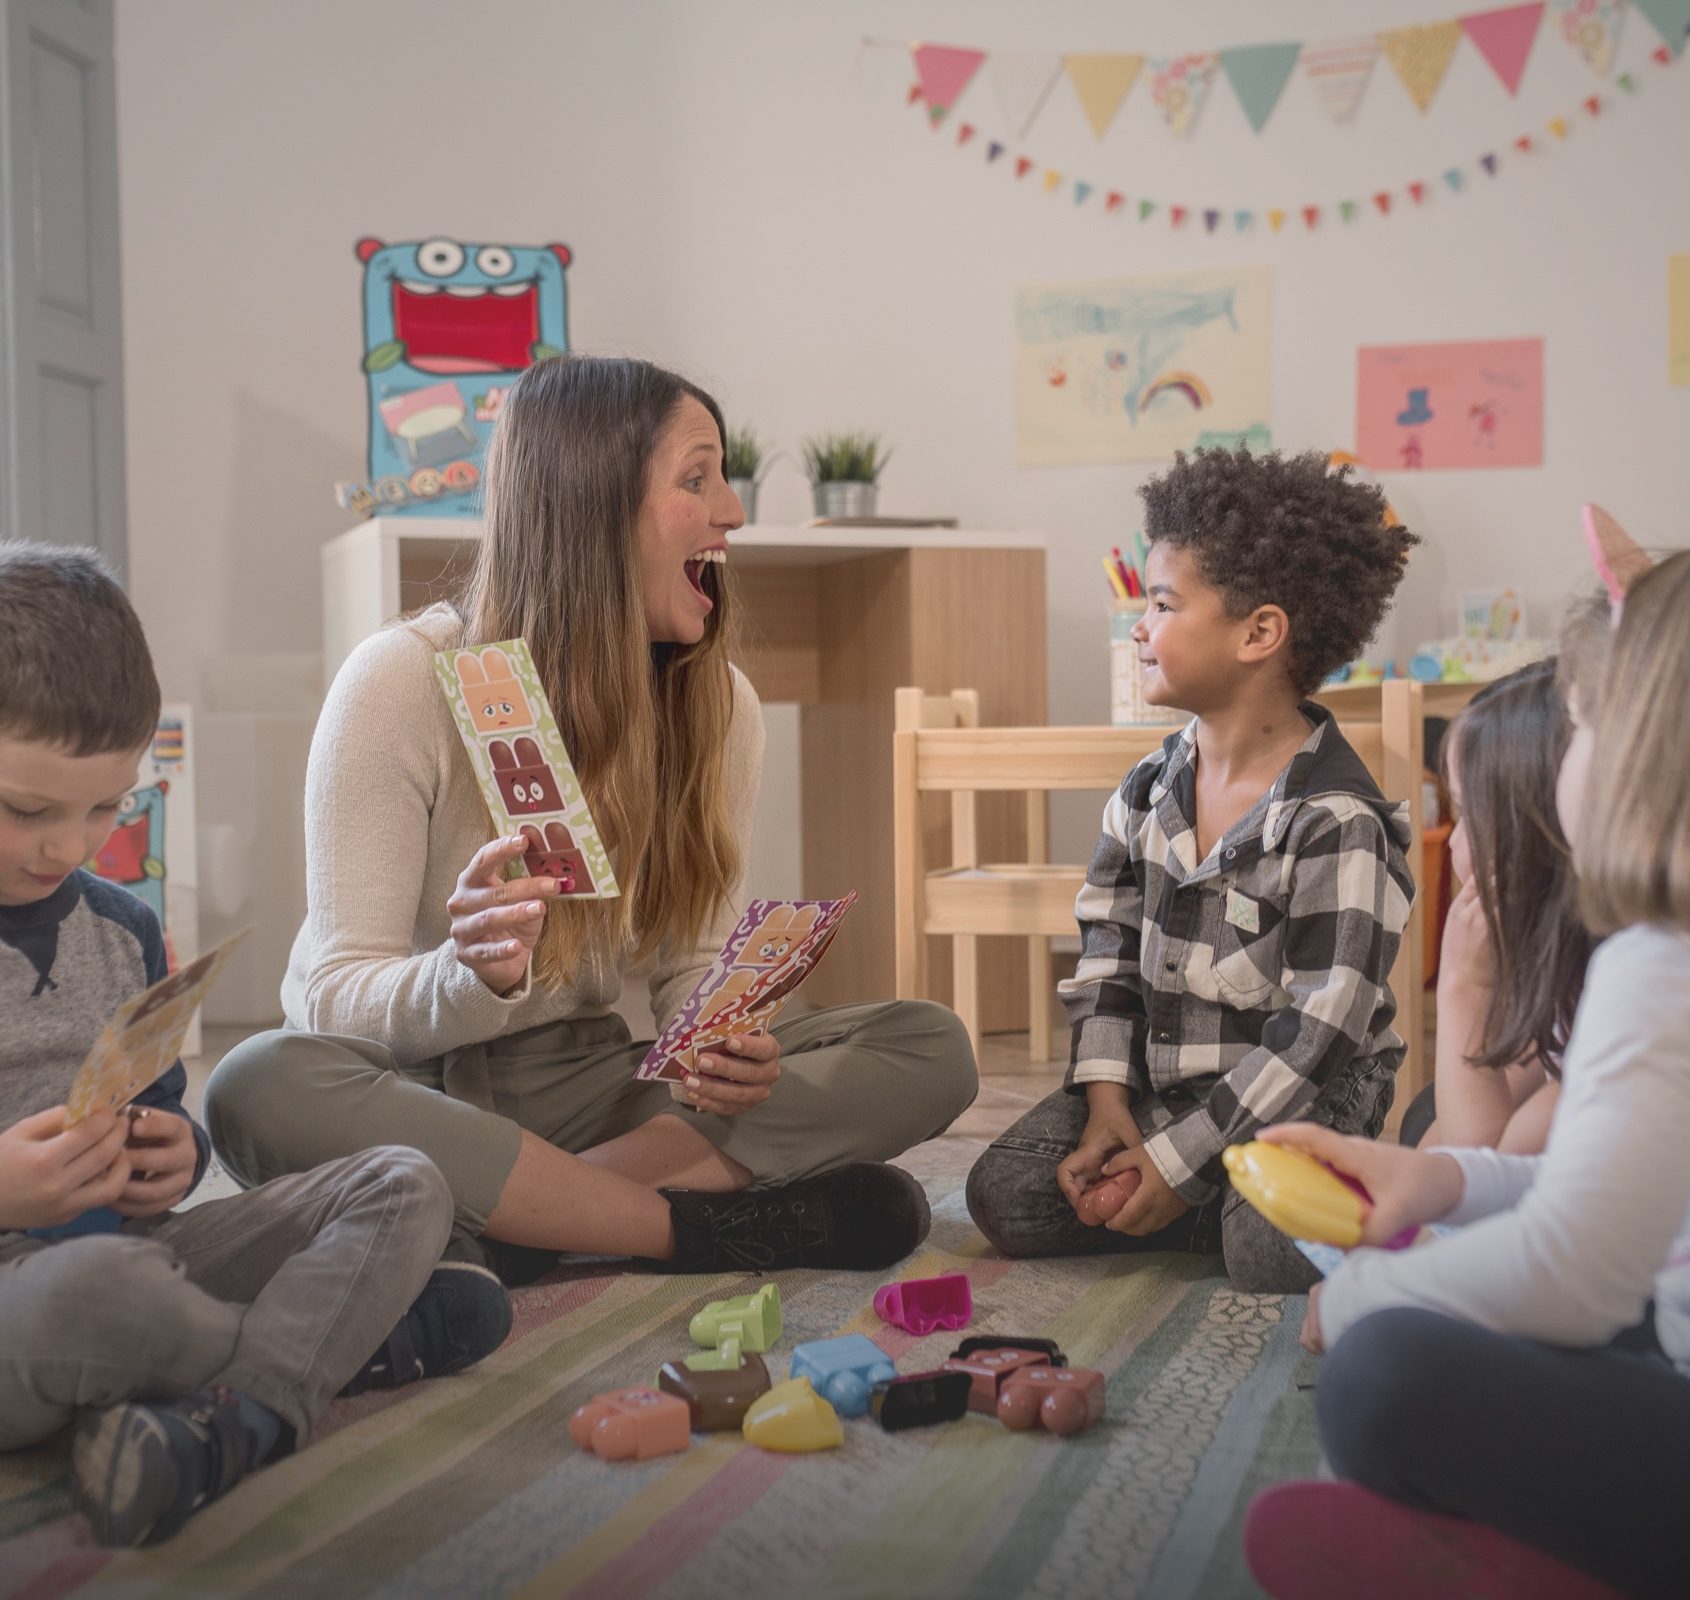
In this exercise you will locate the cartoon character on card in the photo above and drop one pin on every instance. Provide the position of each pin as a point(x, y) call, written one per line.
point(771, 941)
point(524, 779)
point(494, 697)
point(554, 855)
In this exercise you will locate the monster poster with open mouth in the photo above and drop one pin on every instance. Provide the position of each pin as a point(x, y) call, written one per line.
point(448, 328)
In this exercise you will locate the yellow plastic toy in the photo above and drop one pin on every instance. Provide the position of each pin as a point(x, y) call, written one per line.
point(793, 1418)
point(1296, 1193)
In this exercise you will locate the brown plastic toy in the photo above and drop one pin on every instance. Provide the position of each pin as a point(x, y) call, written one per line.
point(987, 1370)
point(717, 1400)
point(1061, 1400)
point(632, 1425)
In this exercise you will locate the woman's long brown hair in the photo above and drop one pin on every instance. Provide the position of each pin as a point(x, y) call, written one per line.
point(646, 725)
point(1506, 749)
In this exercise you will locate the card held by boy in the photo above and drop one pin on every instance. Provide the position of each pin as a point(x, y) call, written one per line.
point(771, 950)
point(144, 1037)
point(521, 764)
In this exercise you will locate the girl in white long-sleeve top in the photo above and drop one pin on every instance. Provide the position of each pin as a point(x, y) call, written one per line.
point(1530, 1374)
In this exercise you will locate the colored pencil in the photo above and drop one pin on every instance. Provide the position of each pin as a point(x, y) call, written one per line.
point(1116, 583)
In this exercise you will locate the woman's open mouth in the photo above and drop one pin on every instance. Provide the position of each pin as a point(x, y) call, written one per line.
point(695, 569)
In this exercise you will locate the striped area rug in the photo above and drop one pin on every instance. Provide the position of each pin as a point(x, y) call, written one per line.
point(470, 1487)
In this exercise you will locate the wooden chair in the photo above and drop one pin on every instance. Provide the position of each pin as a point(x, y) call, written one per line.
point(1034, 899)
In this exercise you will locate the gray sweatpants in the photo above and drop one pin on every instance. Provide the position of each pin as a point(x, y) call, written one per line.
point(1014, 1199)
point(281, 1293)
point(857, 1083)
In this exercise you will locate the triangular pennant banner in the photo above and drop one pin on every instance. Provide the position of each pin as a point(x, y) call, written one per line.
point(1558, 127)
point(1339, 73)
point(1276, 220)
point(1383, 201)
point(1052, 180)
point(1454, 179)
point(1115, 201)
point(1627, 82)
point(1102, 82)
point(1023, 80)
point(1242, 219)
point(965, 133)
point(913, 95)
point(1417, 192)
point(1211, 220)
point(1592, 27)
point(1347, 210)
point(1671, 19)
point(1421, 56)
point(1179, 85)
point(1145, 207)
point(1258, 73)
point(1176, 216)
point(944, 71)
point(1081, 192)
point(1505, 39)
point(1023, 165)
point(1311, 215)
point(1489, 164)
point(993, 151)
point(1524, 144)
point(1593, 104)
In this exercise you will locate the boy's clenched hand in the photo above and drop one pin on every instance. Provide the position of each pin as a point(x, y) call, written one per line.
point(163, 1155)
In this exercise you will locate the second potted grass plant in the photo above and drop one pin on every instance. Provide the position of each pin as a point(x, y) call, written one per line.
point(844, 471)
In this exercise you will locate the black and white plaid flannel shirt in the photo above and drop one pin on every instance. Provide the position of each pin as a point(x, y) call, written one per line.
point(1228, 993)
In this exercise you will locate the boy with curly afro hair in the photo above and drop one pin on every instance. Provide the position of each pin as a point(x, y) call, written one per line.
point(1244, 905)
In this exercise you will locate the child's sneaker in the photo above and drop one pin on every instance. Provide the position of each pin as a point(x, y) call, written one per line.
point(462, 1314)
point(1334, 1541)
point(139, 1471)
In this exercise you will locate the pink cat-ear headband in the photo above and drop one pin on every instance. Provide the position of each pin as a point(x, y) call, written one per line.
point(1620, 560)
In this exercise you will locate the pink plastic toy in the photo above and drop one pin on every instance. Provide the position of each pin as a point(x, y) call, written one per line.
point(632, 1425)
point(919, 1305)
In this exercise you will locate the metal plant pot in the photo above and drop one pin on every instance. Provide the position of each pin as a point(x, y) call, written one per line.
point(746, 489)
point(845, 499)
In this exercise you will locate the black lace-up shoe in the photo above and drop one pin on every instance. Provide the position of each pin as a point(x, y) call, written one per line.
point(859, 1217)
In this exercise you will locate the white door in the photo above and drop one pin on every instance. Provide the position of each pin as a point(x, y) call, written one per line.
point(61, 342)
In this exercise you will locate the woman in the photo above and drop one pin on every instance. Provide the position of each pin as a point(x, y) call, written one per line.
point(431, 1002)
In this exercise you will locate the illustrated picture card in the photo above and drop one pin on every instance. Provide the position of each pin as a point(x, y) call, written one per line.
point(144, 1037)
point(152, 851)
point(1429, 406)
point(507, 726)
point(1137, 368)
point(771, 950)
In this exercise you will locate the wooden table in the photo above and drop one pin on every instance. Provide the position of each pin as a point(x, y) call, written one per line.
point(833, 619)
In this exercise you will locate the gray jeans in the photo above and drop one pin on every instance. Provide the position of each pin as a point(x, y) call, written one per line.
point(281, 1293)
point(1014, 1199)
point(857, 1083)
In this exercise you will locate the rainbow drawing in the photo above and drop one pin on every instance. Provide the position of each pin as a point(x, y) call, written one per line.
point(1186, 383)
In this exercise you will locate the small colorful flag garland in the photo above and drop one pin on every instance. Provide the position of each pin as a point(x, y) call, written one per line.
point(1338, 70)
point(1383, 202)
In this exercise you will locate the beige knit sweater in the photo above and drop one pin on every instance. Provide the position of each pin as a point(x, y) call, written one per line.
point(392, 817)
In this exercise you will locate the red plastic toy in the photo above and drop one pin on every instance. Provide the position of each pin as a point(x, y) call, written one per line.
point(987, 1371)
point(632, 1425)
point(1061, 1400)
point(919, 1305)
point(1103, 1200)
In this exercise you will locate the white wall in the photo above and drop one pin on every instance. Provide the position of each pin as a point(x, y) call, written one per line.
point(749, 199)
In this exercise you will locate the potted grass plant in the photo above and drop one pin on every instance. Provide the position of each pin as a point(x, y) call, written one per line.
point(844, 471)
point(746, 461)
